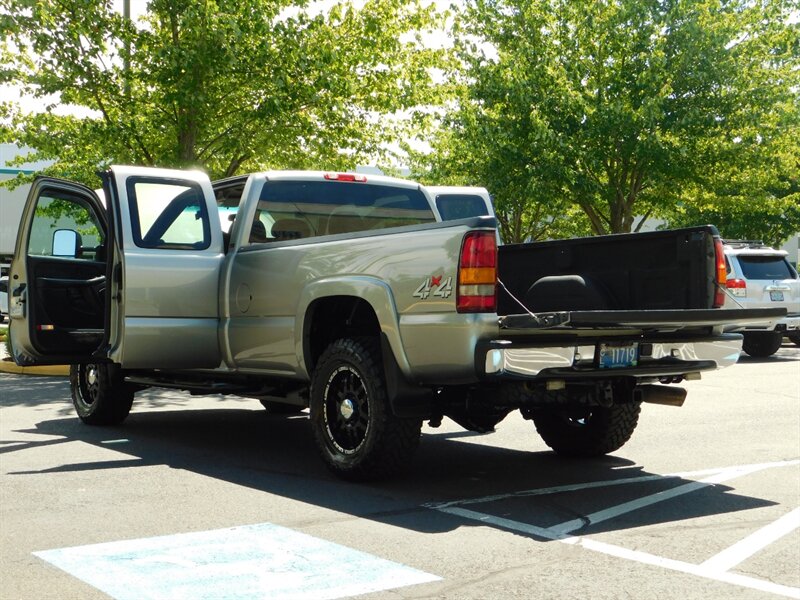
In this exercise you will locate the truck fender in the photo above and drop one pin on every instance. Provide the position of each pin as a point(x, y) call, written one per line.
point(373, 291)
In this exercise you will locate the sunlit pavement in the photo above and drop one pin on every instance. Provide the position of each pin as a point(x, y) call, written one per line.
point(701, 503)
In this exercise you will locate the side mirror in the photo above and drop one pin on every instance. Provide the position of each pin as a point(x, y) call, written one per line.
point(66, 243)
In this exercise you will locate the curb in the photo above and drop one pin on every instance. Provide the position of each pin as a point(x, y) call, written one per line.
point(7, 366)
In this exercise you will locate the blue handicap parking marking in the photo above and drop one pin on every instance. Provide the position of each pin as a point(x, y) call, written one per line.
point(240, 563)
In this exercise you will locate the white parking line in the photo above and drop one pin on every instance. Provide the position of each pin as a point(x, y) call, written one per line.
point(715, 568)
point(684, 567)
point(741, 551)
point(625, 553)
point(626, 507)
point(503, 522)
point(574, 487)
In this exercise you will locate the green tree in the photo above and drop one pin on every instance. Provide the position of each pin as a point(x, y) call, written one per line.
point(761, 203)
point(767, 215)
point(224, 85)
point(622, 107)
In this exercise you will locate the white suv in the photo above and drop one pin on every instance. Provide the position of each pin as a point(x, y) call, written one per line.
point(761, 277)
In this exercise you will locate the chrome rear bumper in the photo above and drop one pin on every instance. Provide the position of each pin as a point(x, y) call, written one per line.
point(656, 359)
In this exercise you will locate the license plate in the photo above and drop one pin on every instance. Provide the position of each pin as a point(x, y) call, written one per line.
point(615, 356)
point(776, 296)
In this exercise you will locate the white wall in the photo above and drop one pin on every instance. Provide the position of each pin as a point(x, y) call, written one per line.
point(12, 202)
point(793, 248)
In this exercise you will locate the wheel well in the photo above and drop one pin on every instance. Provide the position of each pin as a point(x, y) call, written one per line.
point(329, 319)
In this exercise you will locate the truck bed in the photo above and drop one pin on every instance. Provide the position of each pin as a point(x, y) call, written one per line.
point(654, 271)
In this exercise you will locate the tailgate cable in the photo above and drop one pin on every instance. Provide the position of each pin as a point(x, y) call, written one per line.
point(514, 298)
point(730, 295)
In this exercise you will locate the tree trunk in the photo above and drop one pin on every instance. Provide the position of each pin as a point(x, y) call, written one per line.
point(187, 137)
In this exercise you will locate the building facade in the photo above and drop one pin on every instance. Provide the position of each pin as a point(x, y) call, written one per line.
point(12, 201)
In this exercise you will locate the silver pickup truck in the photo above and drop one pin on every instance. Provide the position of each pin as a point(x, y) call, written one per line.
point(349, 295)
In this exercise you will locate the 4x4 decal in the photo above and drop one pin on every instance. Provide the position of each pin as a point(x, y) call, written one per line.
point(435, 286)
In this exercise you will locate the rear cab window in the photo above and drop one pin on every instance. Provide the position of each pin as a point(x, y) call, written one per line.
point(293, 210)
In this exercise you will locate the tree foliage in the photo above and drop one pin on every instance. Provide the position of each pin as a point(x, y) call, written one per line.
point(623, 108)
point(225, 85)
point(769, 217)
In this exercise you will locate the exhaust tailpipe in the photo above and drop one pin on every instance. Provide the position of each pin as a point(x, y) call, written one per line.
point(661, 394)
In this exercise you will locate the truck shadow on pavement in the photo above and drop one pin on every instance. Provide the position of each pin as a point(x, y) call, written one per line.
point(276, 455)
point(34, 391)
point(788, 352)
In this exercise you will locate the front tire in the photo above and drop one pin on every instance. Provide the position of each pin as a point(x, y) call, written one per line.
point(356, 433)
point(100, 394)
point(587, 431)
point(761, 344)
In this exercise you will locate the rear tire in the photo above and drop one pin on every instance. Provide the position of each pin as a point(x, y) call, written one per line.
point(100, 394)
point(761, 344)
point(587, 431)
point(356, 433)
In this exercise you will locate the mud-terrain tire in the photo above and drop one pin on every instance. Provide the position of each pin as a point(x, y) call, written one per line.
point(761, 344)
point(587, 431)
point(99, 393)
point(356, 433)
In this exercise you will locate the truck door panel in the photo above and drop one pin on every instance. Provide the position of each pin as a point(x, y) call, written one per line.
point(172, 251)
point(56, 295)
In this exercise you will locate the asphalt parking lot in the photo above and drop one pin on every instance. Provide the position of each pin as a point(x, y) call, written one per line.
point(200, 497)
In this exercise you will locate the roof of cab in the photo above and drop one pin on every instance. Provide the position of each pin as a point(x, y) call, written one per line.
point(330, 176)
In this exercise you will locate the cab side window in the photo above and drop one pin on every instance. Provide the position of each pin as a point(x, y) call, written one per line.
point(56, 212)
point(168, 215)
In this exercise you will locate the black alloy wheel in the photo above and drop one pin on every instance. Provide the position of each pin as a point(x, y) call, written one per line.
point(100, 394)
point(356, 432)
point(346, 409)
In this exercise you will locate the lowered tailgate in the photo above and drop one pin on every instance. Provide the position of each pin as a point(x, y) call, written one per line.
point(645, 320)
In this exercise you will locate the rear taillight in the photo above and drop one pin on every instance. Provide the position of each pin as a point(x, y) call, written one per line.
point(737, 287)
point(721, 274)
point(477, 273)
